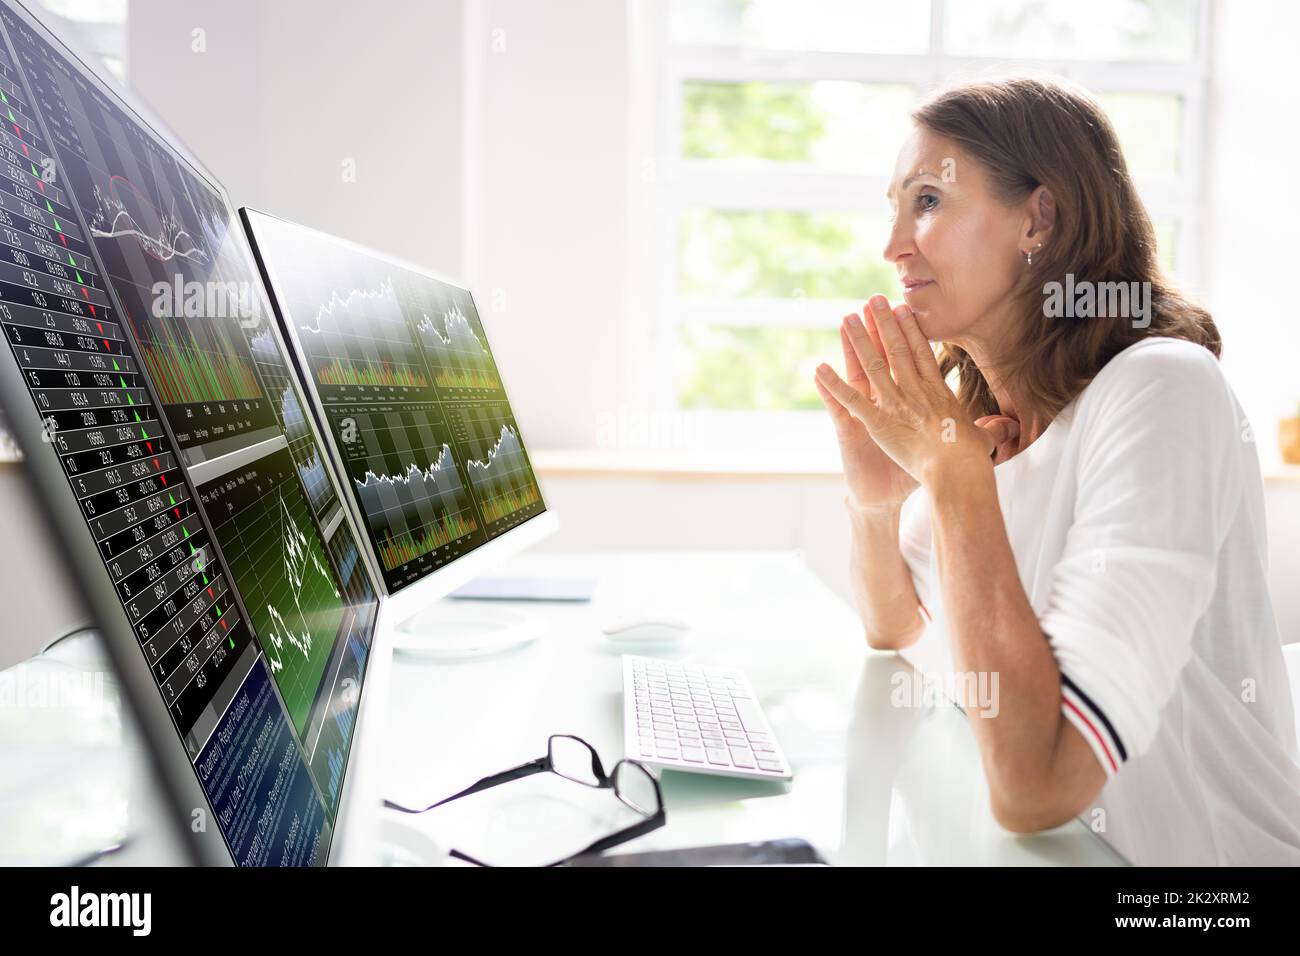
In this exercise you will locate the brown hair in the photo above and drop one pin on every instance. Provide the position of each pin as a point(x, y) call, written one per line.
point(1032, 131)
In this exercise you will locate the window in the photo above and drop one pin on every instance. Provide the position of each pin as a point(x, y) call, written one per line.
point(776, 126)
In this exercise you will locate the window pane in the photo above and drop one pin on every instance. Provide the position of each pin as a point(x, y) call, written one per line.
point(1149, 126)
point(1167, 245)
point(753, 369)
point(845, 127)
point(1053, 29)
point(778, 254)
point(848, 26)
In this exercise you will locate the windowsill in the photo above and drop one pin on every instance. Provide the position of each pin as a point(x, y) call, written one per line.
point(653, 463)
point(1282, 474)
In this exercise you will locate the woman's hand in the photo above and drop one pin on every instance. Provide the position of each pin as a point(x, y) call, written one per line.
point(905, 407)
point(874, 479)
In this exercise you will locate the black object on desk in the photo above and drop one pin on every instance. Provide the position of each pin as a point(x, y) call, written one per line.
point(787, 852)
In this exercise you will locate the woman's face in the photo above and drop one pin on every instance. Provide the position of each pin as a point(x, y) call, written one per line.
point(956, 245)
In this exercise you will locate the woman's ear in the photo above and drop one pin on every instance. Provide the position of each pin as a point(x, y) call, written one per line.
point(1042, 215)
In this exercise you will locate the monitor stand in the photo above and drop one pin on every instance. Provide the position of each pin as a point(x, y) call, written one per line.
point(458, 629)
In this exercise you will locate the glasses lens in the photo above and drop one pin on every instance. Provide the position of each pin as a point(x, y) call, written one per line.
point(636, 787)
point(573, 759)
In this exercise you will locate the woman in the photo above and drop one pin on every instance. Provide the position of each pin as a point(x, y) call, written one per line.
point(1084, 517)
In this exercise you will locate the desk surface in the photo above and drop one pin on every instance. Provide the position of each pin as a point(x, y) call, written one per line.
point(873, 783)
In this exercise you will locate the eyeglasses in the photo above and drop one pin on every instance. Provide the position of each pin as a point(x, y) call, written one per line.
point(574, 759)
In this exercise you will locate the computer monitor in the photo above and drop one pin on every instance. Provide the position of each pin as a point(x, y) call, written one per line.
point(160, 417)
point(413, 408)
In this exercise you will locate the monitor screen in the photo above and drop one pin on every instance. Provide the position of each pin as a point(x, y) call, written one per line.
point(136, 318)
point(409, 393)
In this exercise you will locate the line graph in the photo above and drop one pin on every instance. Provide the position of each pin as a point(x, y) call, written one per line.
point(360, 338)
point(306, 453)
point(280, 567)
point(122, 210)
point(425, 502)
point(456, 351)
point(406, 480)
point(498, 469)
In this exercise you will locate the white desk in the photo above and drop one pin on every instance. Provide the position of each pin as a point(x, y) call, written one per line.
point(874, 783)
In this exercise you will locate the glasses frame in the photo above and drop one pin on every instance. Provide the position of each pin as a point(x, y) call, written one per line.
point(653, 820)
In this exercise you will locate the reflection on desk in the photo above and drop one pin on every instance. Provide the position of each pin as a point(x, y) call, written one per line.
point(874, 783)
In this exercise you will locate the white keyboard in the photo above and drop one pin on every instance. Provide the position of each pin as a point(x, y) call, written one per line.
point(699, 719)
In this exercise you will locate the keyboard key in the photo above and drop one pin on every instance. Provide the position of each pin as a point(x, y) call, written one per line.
point(751, 715)
point(693, 754)
point(719, 757)
point(743, 758)
point(769, 764)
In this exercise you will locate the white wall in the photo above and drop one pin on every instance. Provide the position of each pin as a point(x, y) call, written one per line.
point(286, 91)
point(547, 204)
point(1252, 213)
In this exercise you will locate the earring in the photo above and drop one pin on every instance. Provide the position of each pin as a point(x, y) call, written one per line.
point(1029, 256)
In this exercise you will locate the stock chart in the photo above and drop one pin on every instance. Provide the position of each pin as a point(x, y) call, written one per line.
point(131, 307)
point(411, 395)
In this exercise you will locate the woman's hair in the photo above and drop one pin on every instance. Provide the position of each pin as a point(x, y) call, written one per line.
point(1027, 132)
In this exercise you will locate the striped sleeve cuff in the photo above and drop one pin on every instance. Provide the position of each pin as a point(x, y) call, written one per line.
point(1095, 727)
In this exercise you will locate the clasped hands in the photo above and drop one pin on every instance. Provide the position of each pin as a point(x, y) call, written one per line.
point(895, 389)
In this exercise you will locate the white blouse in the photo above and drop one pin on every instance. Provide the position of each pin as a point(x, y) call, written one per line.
point(1137, 524)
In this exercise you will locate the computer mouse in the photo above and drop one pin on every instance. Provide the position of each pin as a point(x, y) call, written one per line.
point(649, 627)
